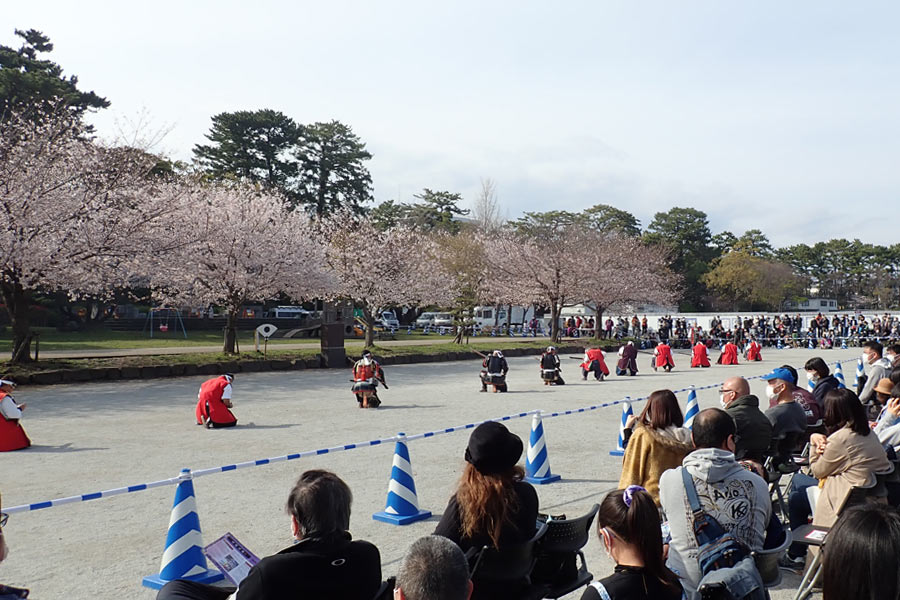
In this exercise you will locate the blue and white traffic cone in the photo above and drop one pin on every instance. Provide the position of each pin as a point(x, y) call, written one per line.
point(859, 373)
point(537, 463)
point(183, 557)
point(843, 343)
point(839, 375)
point(402, 503)
point(692, 408)
point(810, 345)
point(780, 345)
point(810, 384)
point(620, 443)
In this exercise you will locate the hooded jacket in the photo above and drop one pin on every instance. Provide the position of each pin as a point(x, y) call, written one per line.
point(754, 431)
point(735, 497)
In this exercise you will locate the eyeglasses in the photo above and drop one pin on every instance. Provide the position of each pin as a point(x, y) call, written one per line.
point(3, 519)
point(724, 391)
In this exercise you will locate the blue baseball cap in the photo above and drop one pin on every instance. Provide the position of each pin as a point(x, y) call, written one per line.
point(779, 373)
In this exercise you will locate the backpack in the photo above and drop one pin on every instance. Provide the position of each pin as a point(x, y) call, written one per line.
point(727, 569)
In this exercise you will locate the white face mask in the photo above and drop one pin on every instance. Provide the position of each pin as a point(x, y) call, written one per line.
point(812, 375)
point(722, 401)
point(771, 394)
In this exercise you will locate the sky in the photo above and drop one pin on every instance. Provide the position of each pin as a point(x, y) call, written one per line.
point(779, 116)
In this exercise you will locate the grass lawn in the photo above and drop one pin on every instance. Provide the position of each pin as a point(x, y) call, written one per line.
point(480, 345)
point(103, 339)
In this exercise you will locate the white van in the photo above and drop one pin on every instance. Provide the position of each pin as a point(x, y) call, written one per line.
point(443, 320)
point(389, 320)
point(289, 312)
point(425, 320)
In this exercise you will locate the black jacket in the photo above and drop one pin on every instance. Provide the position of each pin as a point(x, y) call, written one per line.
point(823, 386)
point(333, 567)
point(519, 528)
point(754, 430)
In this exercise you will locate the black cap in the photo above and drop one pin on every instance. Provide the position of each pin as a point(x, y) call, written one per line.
point(493, 448)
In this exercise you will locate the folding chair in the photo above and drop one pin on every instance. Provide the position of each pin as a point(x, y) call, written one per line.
point(816, 535)
point(564, 539)
point(507, 568)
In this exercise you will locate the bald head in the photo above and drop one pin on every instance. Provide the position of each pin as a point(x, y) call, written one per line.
point(738, 385)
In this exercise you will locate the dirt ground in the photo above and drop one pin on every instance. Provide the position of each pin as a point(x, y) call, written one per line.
point(98, 436)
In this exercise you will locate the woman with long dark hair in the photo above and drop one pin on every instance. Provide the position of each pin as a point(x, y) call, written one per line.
point(849, 457)
point(656, 441)
point(492, 506)
point(860, 561)
point(628, 524)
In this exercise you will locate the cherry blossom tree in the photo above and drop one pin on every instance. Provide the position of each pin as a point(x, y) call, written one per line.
point(526, 269)
point(395, 267)
point(77, 215)
point(617, 269)
point(563, 264)
point(246, 245)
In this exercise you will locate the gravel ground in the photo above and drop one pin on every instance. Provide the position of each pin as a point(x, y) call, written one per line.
point(97, 436)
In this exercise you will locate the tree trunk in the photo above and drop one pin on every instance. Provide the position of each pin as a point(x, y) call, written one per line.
point(230, 332)
point(597, 319)
point(16, 299)
point(508, 317)
point(369, 322)
point(554, 322)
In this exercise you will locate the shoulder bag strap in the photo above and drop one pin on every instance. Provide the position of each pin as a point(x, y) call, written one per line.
point(691, 491)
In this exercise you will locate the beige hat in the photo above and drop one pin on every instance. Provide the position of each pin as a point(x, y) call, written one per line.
point(884, 386)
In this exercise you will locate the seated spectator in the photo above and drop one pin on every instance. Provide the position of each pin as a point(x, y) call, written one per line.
point(789, 420)
point(888, 426)
point(882, 395)
point(738, 499)
point(847, 458)
point(492, 506)
point(805, 399)
point(861, 557)
point(892, 353)
point(628, 524)
point(753, 433)
point(654, 442)
point(434, 569)
point(876, 369)
point(324, 562)
point(818, 373)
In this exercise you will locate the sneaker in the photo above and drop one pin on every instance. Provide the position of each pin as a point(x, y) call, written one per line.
point(789, 563)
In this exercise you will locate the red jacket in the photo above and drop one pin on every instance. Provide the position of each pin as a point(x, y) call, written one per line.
point(700, 357)
point(12, 434)
point(592, 354)
point(210, 404)
point(754, 352)
point(729, 355)
point(664, 356)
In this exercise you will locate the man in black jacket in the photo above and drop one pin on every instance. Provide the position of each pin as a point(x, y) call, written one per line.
point(754, 431)
point(324, 562)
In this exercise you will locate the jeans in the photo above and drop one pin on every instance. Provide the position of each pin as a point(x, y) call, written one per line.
point(799, 510)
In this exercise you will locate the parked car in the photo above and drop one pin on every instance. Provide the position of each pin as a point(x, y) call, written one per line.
point(388, 320)
point(426, 319)
point(443, 320)
point(289, 312)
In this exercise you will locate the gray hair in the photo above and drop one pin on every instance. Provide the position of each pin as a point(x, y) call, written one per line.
point(434, 569)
